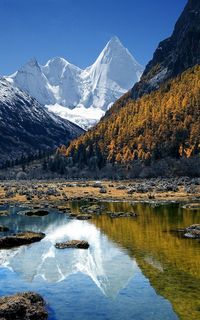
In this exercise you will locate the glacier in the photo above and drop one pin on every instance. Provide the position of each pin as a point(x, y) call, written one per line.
point(80, 95)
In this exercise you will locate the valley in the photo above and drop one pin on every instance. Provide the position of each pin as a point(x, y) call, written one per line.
point(100, 164)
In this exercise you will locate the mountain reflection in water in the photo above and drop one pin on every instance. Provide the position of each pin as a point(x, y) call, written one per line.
point(53, 265)
point(133, 269)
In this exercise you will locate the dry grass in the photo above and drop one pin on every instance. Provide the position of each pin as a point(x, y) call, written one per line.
point(78, 191)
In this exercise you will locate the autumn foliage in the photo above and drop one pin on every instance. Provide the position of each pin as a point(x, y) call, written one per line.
point(164, 123)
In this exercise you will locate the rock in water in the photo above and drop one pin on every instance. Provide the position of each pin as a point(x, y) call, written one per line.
point(20, 239)
point(193, 231)
point(3, 228)
point(123, 215)
point(23, 306)
point(84, 217)
point(78, 244)
point(35, 213)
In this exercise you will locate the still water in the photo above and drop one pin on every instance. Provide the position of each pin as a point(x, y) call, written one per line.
point(134, 269)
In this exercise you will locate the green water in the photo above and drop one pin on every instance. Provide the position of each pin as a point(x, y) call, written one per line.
point(171, 263)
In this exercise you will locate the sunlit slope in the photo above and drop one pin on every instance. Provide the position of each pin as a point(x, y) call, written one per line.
point(163, 123)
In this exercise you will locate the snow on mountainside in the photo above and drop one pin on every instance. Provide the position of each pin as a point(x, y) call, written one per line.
point(82, 96)
point(31, 79)
point(25, 126)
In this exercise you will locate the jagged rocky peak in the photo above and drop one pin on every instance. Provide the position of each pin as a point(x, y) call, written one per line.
point(55, 70)
point(33, 63)
point(175, 54)
point(64, 87)
point(115, 48)
point(32, 80)
point(115, 63)
point(31, 67)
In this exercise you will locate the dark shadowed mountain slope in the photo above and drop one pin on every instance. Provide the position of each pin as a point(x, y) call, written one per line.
point(173, 56)
point(176, 53)
point(26, 126)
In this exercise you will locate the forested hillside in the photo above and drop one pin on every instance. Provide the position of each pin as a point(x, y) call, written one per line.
point(157, 123)
point(164, 123)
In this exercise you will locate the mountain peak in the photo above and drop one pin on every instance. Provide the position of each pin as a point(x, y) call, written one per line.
point(115, 49)
point(32, 66)
point(114, 44)
point(114, 41)
point(117, 65)
point(32, 63)
point(60, 83)
point(57, 61)
point(58, 65)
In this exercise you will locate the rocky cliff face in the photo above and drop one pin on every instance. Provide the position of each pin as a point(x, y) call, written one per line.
point(175, 54)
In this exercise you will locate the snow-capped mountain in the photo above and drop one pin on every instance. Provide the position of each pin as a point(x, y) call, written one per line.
point(26, 126)
point(82, 96)
point(98, 262)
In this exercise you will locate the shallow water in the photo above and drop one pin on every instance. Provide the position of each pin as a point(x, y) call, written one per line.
point(134, 268)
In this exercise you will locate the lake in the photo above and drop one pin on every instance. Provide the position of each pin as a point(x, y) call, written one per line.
point(135, 268)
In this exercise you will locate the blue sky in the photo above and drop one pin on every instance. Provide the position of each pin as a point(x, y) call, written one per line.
point(79, 29)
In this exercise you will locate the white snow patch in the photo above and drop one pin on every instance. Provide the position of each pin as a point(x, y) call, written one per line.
point(85, 117)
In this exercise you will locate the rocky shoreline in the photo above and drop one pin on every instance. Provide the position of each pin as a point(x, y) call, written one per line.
point(41, 192)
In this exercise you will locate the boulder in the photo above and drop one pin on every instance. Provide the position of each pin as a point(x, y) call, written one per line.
point(4, 213)
point(123, 215)
point(103, 190)
point(78, 244)
point(35, 213)
point(97, 185)
point(93, 209)
point(192, 231)
point(64, 208)
point(121, 187)
point(20, 239)
point(3, 228)
point(192, 206)
point(84, 217)
point(73, 215)
point(23, 306)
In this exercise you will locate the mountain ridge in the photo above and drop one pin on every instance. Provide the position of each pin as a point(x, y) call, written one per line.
point(175, 54)
point(26, 127)
point(63, 87)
